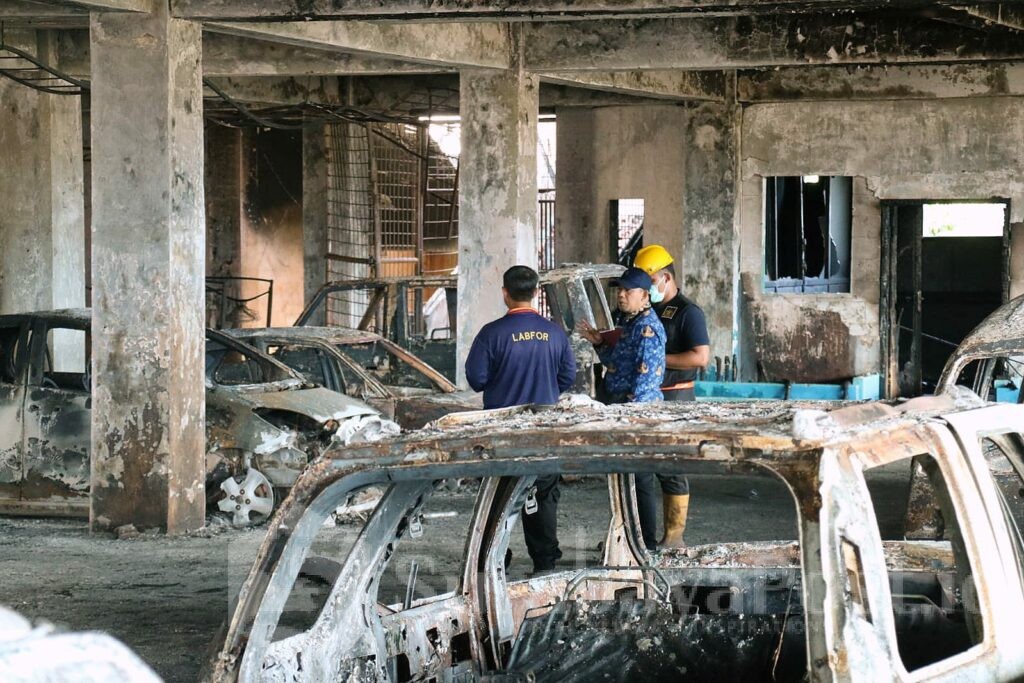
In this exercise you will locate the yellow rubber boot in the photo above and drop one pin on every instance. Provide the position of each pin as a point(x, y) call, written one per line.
point(675, 509)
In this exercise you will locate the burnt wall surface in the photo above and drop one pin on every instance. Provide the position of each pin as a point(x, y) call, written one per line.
point(966, 148)
point(681, 162)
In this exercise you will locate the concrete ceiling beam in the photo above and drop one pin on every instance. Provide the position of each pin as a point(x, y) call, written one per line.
point(993, 79)
point(486, 45)
point(746, 42)
point(225, 55)
point(100, 5)
point(23, 9)
point(510, 10)
point(1003, 14)
point(667, 85)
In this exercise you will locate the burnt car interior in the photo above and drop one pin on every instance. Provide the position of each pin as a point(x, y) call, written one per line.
point(231, 365)
point(381, 603)
point(986, 376)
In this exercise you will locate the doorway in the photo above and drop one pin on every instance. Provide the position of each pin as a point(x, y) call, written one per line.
point(944, 268)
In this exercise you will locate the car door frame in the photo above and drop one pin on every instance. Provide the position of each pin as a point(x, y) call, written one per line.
point(46, 409)
point(11, 492)
point(860, 631)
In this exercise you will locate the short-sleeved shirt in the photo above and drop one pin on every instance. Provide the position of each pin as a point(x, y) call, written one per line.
point(520, 358)
point(635, 367)
point(685, 329)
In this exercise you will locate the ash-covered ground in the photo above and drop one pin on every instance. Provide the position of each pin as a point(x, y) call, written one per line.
point(166, 597)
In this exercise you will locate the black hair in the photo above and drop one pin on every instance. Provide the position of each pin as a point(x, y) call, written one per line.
point(520, 282)
point(671, 270)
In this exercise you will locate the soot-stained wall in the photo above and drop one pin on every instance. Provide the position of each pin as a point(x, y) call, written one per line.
point(942, 149)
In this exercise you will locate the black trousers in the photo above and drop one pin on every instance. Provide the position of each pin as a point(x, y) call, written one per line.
point(671, 484)
point(541, 528)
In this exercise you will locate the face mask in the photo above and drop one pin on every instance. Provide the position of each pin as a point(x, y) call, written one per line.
point(657, 296)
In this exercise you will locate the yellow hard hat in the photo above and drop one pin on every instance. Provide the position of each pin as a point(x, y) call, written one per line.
point(652, 259)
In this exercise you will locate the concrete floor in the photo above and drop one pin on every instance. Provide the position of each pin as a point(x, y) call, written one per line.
point(167, 597)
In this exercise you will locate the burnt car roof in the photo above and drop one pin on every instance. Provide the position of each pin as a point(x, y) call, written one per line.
point(1004, 325)
point(331, 335)
point(765, 428)
point(568, 271)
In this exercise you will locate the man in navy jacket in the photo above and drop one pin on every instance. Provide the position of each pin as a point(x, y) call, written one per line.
point(518, 359)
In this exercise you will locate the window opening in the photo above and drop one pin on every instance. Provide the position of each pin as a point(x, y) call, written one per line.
point(936, 613)
point(807, 233)
point(417, 571)
point(388, 366)
point(971, 219)
point(324, 560)
point(10, 349)
point(64, 359)
point(627, 226)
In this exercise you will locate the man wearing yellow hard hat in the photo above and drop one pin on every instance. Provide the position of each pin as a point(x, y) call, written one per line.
point(687, 349)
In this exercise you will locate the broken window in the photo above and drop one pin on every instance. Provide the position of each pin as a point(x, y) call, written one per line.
point(389, 366)
point(10, 350)
point(312, 363)
point(62, 360)
point(416, 571)
point(1004, 455)
point(807, 233)
point(936, 613)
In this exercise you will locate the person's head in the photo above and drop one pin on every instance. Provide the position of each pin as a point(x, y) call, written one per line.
point(659, 265)
point(634, 293)
point(519, 286)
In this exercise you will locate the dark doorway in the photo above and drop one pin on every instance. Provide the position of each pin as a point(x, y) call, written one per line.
point(944, 267)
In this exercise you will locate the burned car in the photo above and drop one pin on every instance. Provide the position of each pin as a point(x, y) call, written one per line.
point(366, 366)
point(990, 360)
point(263, 420)
point(796, 568)
point(418, 314)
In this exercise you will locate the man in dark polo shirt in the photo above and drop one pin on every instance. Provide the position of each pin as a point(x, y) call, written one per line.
point(523, 358)
point(687, 349)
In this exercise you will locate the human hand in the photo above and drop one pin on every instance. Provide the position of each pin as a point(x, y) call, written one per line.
point(588, 332)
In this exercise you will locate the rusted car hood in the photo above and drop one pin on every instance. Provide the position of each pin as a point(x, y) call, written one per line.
point(318, 403)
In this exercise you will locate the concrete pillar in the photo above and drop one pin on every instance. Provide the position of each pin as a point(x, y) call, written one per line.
point(223, 195)
point(148, 409)
point(42, 204)
point(708, 266)
point(581, 228)
point(497, 193)
point(314, 215)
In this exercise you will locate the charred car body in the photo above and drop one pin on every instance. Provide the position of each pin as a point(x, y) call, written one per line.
point(418, 314)
point(263, 421)
point(845, 600)
point(366, 366)
point(992, 354)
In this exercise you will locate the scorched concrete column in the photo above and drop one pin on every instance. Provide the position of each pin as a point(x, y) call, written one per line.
point(314, 215)
point(148, 259)
point(497, 193)
point(42, 200)
point(708, 266)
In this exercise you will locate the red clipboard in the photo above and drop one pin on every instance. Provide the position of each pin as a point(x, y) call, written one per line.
point(611, 337)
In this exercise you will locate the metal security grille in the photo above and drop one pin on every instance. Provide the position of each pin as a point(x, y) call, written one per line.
point(392, 211)
point(350, 218)
point(546, 224)
point(441, 204)
point(397, 175)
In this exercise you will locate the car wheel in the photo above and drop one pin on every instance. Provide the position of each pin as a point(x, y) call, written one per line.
point(248, 497)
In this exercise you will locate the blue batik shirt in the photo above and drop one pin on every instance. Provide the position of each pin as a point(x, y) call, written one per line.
point(635, 366)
